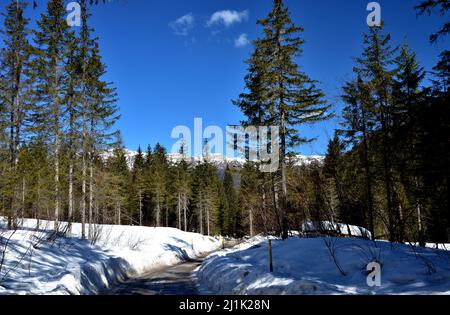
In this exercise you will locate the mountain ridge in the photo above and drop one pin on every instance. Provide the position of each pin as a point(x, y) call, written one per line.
point(219, 160)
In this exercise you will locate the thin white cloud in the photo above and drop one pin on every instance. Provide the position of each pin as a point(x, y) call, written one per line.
point(183, 25)
point(241, 41)
point(227, 18)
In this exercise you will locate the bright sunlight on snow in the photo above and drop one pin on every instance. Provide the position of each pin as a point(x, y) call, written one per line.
point(305, 266)
point(37, 262)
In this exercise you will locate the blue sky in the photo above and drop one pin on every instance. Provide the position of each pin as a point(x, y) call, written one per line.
point(174, 60)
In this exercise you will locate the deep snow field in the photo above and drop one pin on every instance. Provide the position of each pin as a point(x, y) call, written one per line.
point(305, 266)
point(37, 263)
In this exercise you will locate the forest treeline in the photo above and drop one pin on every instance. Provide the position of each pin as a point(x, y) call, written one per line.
point(387, 167)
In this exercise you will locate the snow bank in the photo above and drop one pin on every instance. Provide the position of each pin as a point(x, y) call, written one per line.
point(36, 262)
point(305, 266)
point(338, 228)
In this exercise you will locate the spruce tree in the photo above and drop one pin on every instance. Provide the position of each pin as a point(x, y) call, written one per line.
point(52, 39)
point(15, 74)
point(249, 198)
point(39, 178)
point(182, 183)
point(409, 97)
point(137, 185)
point(436, 157)
point(120, 180)
point(158, 181)
point(86, 79)
point(231, 222)
point(358, 126)
point(291, 98)
point(332, 170)
point(101, 116)
point(73, 69)
point(205, 197)
point(375, 68)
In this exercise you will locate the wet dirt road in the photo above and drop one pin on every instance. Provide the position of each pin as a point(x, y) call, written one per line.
point(176, 280)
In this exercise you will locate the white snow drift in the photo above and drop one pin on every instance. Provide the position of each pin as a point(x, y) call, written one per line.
point(305, 266)
point(36, 262)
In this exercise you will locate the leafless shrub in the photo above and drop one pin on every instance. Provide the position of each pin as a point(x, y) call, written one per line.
point(37, 238)
point(331, 244)
point(134, 244)
point(102, 232)
point(370, 253)
point(430, 267)
point(47, 235)
point(116, 241)
point(4, 242)
point(96, 234)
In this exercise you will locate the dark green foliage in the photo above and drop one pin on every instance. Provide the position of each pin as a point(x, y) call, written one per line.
point(205, 199)
point(250, 200)
point(386, 169)
point(399, 130)
point(119, 176)
point(280, 94)
point(441, 6)
point(52, 96)
point(15, 100)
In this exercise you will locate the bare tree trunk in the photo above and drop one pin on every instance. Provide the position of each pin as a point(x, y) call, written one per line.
point(38, 201)
point(419, 220)
point(201, 219)
point(84, 101)
point(179, 211)
point(207, 221)
point(70, 210)
point(275, 204)
point(57, 197)
point(401, 236)
point(284, 200)
point(393, 234)
point(263, 205)
point(91, 197)
point(56, 113)
point(23, 200)
point(14, 138)
point(250, 215)
point(140, 207)
point(419, 213)
point(71, 156)
point(10, 198)
point(83, 194)
point(97, 213)
point(118, 214)
point(185, 212)
point(158, 210)
point(368, 176)
point(283, 210)
point(158, 214)
point(388, 187)
point(167, 216)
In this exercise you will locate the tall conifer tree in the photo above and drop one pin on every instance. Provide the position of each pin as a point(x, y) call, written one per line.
point(290, 97)
point(15, 91)
point(52, 40)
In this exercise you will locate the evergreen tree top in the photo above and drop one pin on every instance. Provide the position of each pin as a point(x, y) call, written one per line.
point(278, 92)
point(377, 58)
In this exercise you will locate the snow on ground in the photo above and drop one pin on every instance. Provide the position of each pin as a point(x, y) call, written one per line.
point(37, 263)
point(305, 266)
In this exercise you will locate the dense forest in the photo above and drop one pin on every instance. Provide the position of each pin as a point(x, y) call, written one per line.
point(387, 167)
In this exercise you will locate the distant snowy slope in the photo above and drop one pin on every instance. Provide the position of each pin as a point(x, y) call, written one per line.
point(219, 160)
point(37, 263)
